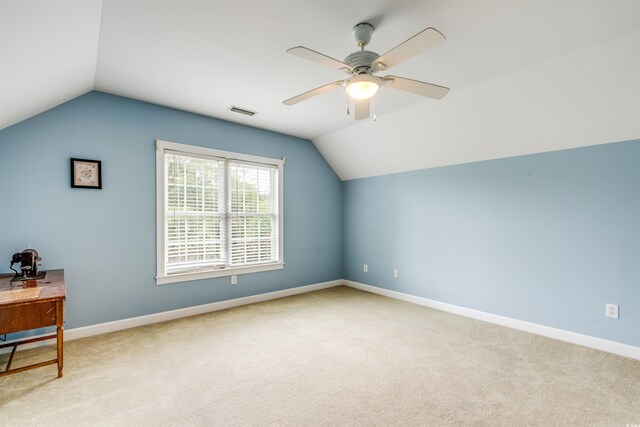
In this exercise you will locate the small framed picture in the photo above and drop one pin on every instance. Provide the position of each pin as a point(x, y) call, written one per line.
point(86, 173)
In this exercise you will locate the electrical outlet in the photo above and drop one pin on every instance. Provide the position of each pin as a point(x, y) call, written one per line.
point(365, 268)
point(234, 280)
point(612, 311)
point(396, 273)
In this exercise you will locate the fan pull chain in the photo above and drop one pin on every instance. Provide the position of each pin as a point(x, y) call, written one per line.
point(347, 102)
point(374, 108)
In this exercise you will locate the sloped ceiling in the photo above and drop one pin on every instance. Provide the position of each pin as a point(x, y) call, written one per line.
point(48, 54)
point(587, 97)
point(204, 56)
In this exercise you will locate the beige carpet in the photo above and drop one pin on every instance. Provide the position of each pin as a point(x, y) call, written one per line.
point(332, 357)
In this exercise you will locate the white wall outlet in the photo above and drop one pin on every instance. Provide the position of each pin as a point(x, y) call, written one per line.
point(365, 268)
point(396, 273)
point(234, 280)
point(612, 311)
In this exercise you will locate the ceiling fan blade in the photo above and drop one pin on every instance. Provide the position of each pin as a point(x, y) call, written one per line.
point(425, 39)
point(313, 92)
point(415, 86)
point(362, 108)
point(318, 57)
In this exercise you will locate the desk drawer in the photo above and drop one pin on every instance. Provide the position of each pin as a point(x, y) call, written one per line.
point(22, 317)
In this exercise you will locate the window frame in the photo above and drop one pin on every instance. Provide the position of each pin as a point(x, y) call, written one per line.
point(161, 230)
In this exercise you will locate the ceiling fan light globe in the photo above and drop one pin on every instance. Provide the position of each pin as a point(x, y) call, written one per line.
point(362, 88)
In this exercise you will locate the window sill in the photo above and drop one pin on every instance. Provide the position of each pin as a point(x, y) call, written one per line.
point(186, 277)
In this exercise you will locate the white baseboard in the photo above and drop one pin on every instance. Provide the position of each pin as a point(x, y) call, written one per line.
point(534, 328)
point(118, 325)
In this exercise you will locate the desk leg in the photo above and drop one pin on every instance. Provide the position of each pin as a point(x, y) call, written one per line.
point(60, 344)
point(60, 336)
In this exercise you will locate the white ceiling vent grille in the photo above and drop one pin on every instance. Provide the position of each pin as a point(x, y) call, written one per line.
point(242, 111)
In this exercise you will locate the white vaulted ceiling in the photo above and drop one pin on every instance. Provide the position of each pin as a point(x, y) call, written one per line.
point(204, 56)
point(48, 53)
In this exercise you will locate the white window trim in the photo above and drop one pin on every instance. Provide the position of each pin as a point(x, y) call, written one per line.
point(161, 277)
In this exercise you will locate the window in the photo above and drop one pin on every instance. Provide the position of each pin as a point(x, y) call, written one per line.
point(219, 213)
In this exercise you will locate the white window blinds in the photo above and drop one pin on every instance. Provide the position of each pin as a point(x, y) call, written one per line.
point(219, 213)
point(254, 213)
point(195, 213)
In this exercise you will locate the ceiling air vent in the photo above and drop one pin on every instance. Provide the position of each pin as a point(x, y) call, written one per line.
point(242, 111)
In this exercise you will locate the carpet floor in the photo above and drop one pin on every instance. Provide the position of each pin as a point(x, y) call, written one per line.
point(333, 357)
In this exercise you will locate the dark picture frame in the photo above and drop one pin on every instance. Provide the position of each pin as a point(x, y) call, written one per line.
point(86, 173)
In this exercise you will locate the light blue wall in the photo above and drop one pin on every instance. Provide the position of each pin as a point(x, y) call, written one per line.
point(547, 238)
point(105, 239)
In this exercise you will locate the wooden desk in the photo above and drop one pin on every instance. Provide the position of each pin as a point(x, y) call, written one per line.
point(32, 305)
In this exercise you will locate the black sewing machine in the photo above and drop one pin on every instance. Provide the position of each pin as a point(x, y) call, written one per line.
point(29, 262)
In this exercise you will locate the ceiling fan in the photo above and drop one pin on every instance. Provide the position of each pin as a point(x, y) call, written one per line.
point(362, 65)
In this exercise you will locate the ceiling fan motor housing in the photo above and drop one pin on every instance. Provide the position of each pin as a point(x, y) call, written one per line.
point(362, 61)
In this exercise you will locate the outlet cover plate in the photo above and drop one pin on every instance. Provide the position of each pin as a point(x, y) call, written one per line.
point(612, 311)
